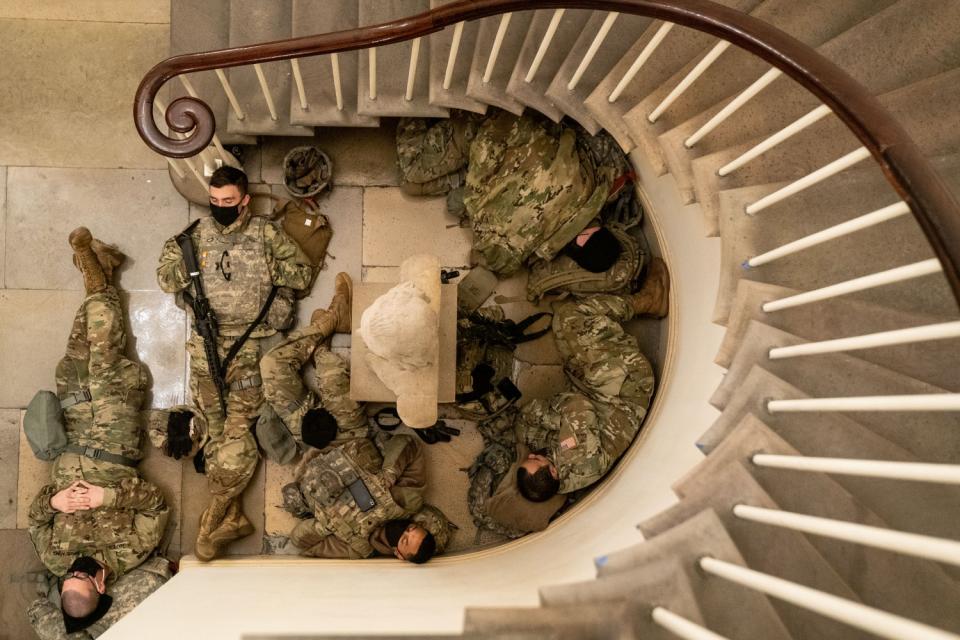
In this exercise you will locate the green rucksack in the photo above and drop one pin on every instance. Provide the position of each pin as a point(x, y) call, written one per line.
point(43, 426)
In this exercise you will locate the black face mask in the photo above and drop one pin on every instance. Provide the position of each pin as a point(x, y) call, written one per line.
point(85, 564)
point(393, 529)
point(226, 216)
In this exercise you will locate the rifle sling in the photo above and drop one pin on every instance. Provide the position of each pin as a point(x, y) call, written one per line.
point(235, 347)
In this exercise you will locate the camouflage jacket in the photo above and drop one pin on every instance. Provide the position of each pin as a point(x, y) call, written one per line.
point(120, 534)
point(339, 529)
point(128, 592)
point(240, 264)
point(530, 189)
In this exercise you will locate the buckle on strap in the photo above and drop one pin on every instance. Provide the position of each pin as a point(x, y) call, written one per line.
point(76, 397)
point(90, 452)
point(250, 382)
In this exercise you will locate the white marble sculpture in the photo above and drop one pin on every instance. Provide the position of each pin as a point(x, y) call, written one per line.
point(401, 330)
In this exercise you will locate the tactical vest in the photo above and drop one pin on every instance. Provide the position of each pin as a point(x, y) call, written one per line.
point(235, 271)
point(562, 274)
point(324, 485)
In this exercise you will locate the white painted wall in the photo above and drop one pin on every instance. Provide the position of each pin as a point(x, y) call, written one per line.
point(224, 600)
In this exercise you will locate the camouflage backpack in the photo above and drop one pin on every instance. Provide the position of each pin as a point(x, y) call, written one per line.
point(488, 470)
point(563, 275)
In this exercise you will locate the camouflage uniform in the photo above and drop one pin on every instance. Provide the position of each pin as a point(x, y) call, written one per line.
point(433, 155)
point(240, 264)
point(586, 429)
point(531, 187)
point(128, 592)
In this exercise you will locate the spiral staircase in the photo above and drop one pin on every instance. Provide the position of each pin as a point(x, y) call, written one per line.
point(823, 500)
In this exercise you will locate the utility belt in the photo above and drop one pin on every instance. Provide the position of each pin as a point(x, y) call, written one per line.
point(250, 382)
point(100, 454)
point(75, 398)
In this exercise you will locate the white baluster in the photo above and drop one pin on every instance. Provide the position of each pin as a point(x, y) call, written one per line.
point(544, 45)
point(785, 133)
point(733, 106)
point(412, 69)
point(911, 544)
point(890, 276)
point(914, 402)
point(690, 78)
point(193, 94)
point(680, 626)
point(176, 168)
point(266, 91)
point(298, 79)
point(592, 51)
point(891, 470)
point(372, 58)
point(452, 56)
point(495, 50)
point(641, 60)
point(912, 335)
point(837, 231)
point(337, 89)
point(860, 616)
point(809, 180)
point(231, 96)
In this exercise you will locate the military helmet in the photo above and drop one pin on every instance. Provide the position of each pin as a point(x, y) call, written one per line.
point(434, 521)
point(306, 171)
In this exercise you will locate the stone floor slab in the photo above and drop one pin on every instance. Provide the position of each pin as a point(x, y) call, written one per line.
point(165, 472)
point(157, 332)
point(20, 568)
point(277, 521)
point(147, 11)
point(84, 74)
point(9, 456)
point(32, 475)
point(3, 224)
point(540, 381)
point(135, 209)
point(361, 156)
point(397, 226)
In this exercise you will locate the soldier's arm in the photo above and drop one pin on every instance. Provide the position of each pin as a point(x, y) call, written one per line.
point(171, 272)
point(289, 265)
point(315, 541)
point(537, 425)
point(150, 517)
point(405, 470)
point(581, 446)
point(40, 518)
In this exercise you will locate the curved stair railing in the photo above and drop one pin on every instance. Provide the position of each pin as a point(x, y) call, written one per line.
point(922, 193)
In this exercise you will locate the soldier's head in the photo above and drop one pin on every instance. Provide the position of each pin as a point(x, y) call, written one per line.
point(595, 249)
point(228, 194)
point(410, 541)
point(81, 587)
point(318, 428)
point(537, 478)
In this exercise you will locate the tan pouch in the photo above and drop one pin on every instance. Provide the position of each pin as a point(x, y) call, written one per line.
point(307, 226)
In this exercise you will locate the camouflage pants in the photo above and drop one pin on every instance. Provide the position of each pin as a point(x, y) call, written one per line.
point(110, 421)
point(283, 387)
point(231, 451)
point(429, 152)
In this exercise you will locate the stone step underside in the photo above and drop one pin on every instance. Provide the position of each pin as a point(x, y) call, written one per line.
point(454, 97)
point(494, 91)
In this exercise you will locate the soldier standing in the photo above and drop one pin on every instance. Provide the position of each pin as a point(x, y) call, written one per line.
point(97, 519)
point(248, 267)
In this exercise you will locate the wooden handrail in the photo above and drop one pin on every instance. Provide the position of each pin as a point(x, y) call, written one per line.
point(914, 179)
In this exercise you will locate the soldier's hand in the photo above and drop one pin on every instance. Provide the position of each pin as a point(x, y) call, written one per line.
point(94, 494)
point(71, 499)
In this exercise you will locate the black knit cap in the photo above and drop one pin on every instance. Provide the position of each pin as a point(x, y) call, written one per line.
point(319, 428)
point(600, 252)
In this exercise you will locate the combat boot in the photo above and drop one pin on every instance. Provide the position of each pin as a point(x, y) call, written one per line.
point(233, 526)
point(337, 317)
point(94, 279)
point(653, 298)
point(109, 257)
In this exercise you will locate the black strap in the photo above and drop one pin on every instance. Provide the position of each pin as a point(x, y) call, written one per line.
point(518, 329)
point(100, 454)
point(235, 347)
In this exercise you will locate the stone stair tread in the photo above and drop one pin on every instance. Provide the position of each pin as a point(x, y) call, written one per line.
point(440, 43)
point(311, 18)
point(892, 244)
point(839, 436)
point(494, 92)
point(643, 565)
point(866, 570)
point(618, 40)
point(773, 550)
point(588, 620)
point(864, 51)
point(255, 22)
point(532, 93)
point(393, 65)
point(813, 23)
point(677, 49)
point(196, 28)
point(932, 362)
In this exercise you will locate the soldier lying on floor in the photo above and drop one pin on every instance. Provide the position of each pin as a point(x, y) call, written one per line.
point(357, 495)
point(549, 448)
point(97, 519)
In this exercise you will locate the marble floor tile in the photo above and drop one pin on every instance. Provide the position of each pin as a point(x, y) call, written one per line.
point(68, 87)
point(19, 571)
point(32, 475)
point(135, 209)
point(361, 156)
point(277, 521)
point(157, 332)
point(148, 11)
point(397, 226)
point(540, 381)
point(165, 472)
point(3, 224)
point(9, 456)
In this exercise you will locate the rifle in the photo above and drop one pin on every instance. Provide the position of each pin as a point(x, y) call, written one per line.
point(205, 322)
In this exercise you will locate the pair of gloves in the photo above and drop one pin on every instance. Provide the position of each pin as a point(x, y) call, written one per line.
point(388, 419)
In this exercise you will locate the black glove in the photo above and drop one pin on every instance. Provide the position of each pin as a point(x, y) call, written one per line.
point(200, 462)
point(179, 444)
point(439, 432)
